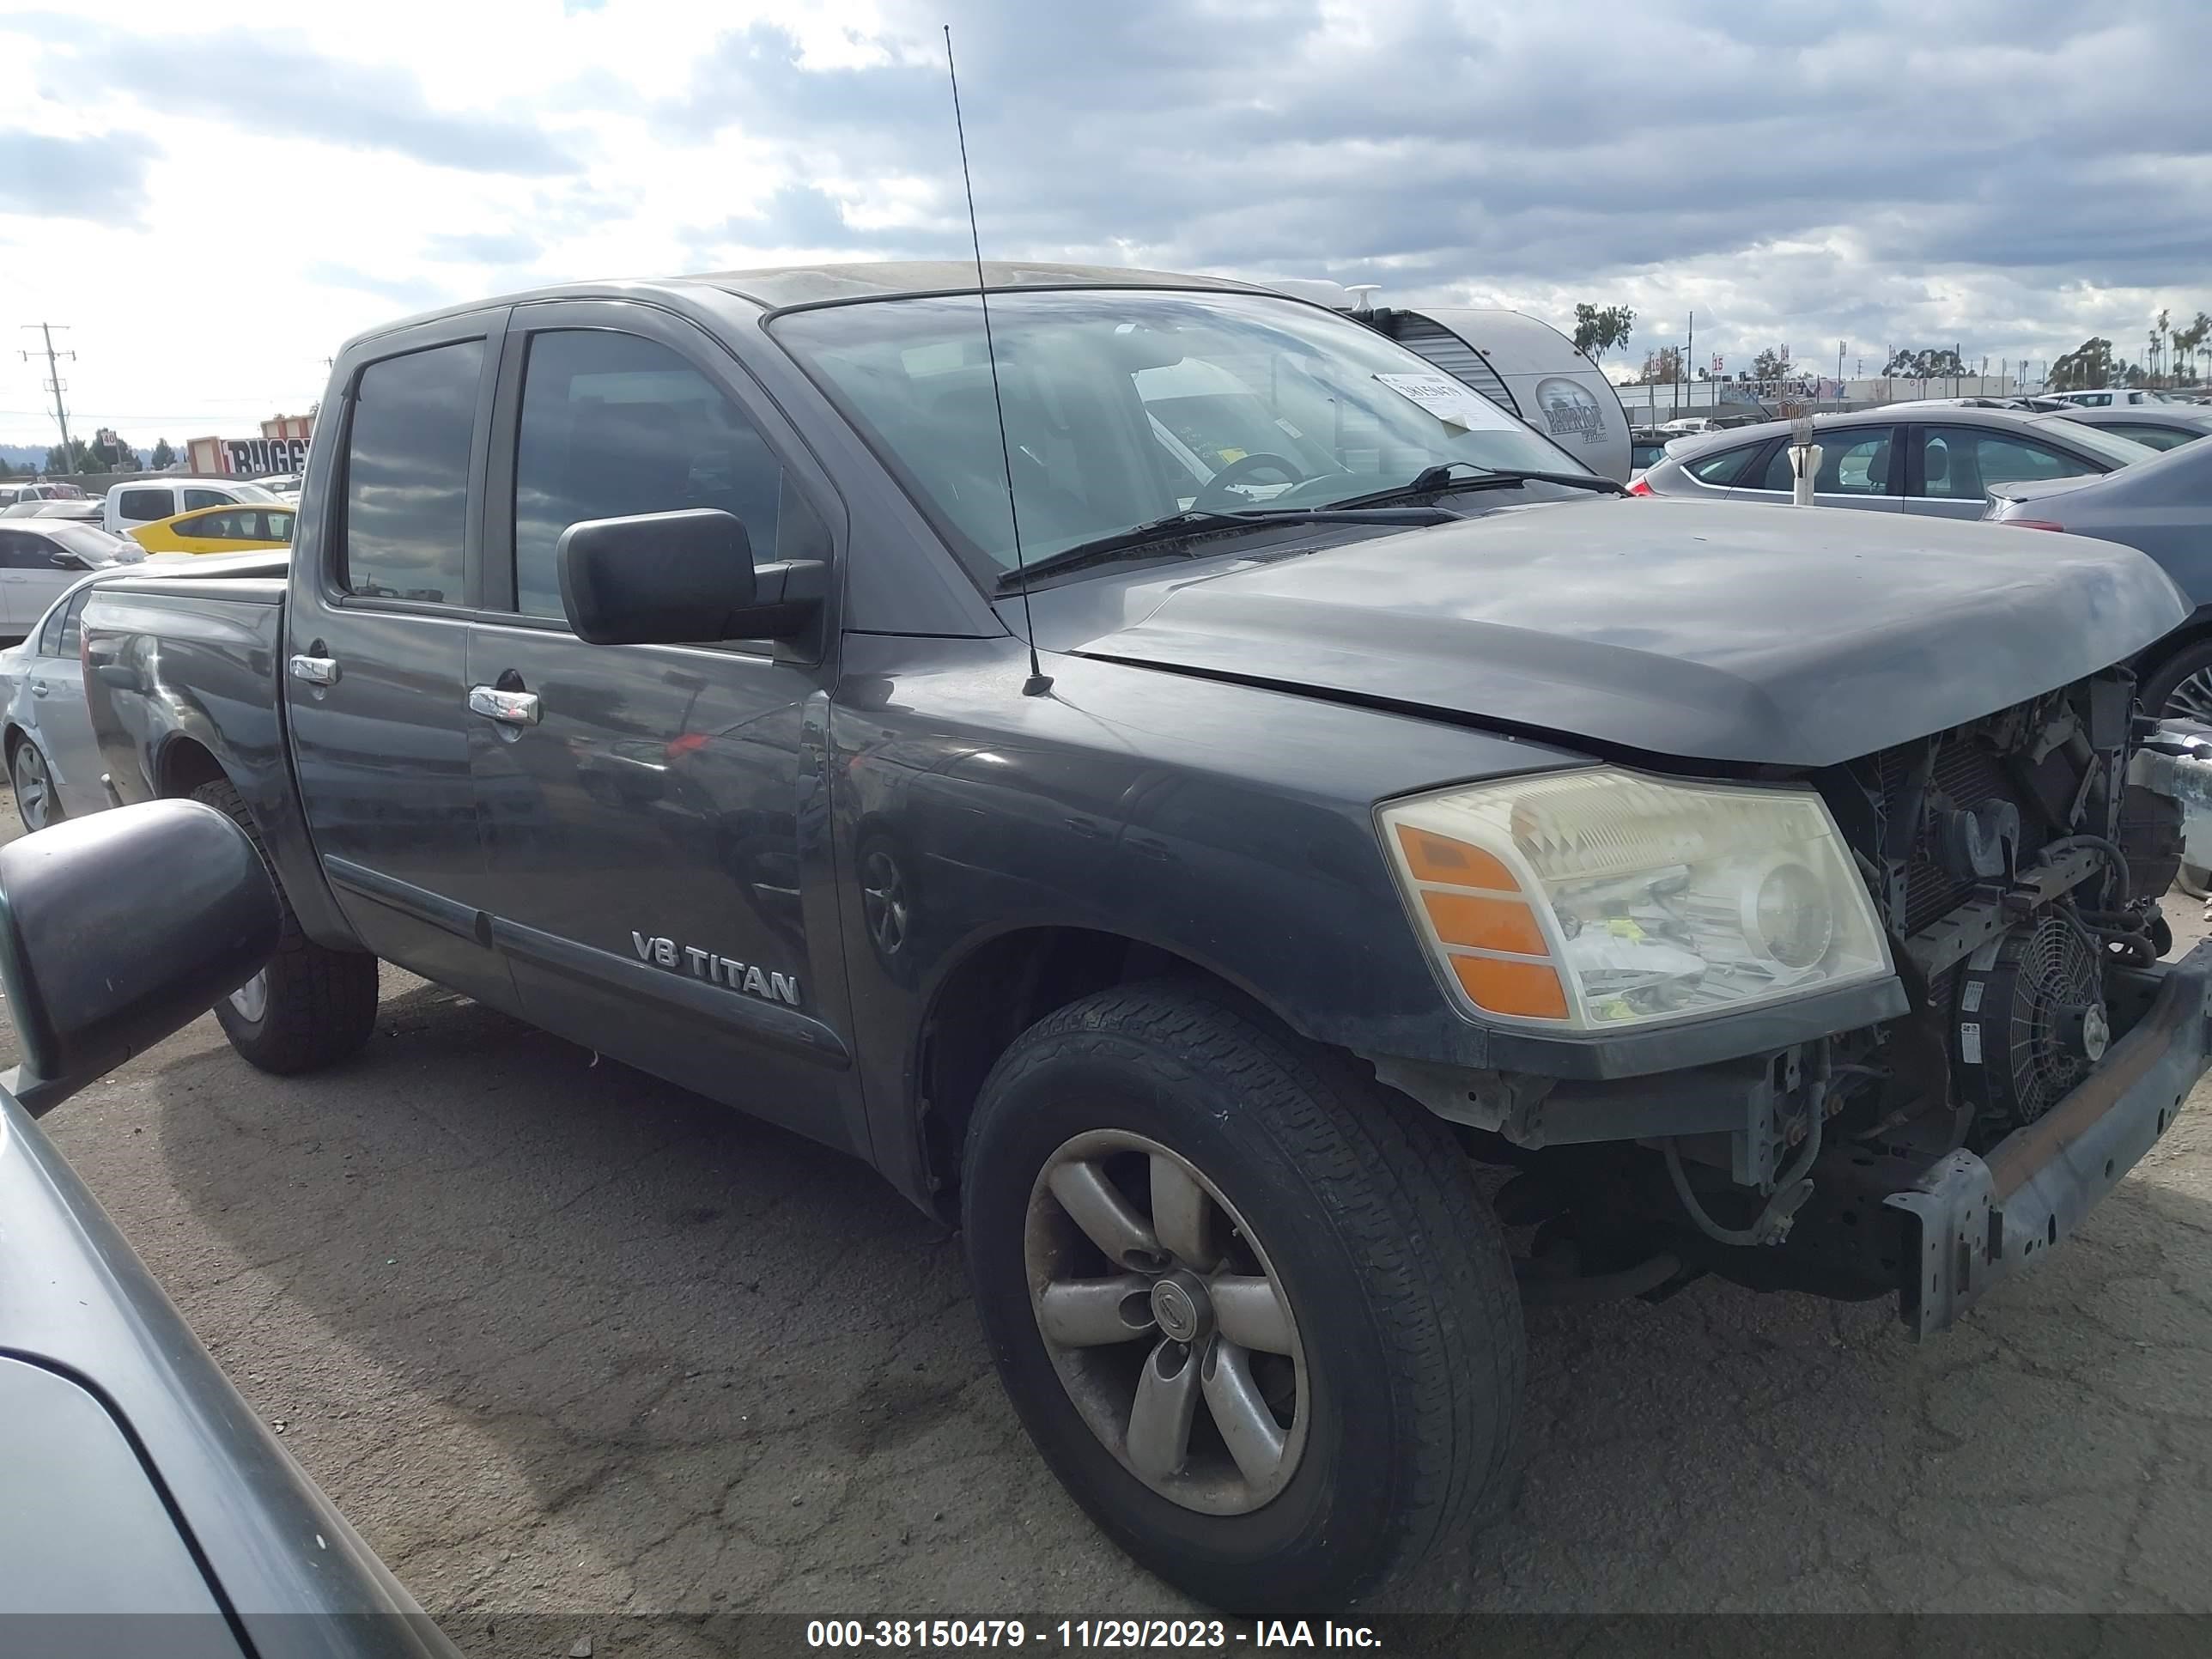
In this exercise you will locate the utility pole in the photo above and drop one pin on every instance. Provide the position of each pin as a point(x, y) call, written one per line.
point(1690, 354)
point(55, 384)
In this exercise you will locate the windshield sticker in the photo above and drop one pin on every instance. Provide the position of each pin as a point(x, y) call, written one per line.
point(1453, 401)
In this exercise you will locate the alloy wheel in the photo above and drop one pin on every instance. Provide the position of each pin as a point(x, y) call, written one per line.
point(883, 901)
point(2193, 698)
point(35, 786)
point(250, 1000)
point(1173, 1335)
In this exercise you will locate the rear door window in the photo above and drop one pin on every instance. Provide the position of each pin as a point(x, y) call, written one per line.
point(407, 475)
point(199, 498)
point(212, 526)
point(1961, 463)
point(1853, 462)
point(1722, 470)
point(69, 628)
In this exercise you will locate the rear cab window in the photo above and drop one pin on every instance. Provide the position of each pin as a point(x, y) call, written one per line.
point(145, 506)
point(195, 498)
point(407, 475)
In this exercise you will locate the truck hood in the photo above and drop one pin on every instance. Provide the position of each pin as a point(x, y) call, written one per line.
point(1792, 636)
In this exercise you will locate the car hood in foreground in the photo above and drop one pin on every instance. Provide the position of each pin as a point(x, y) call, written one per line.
point(1791, 636)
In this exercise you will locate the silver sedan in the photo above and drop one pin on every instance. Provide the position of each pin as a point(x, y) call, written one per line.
point(1938, 463)
point(46, 734)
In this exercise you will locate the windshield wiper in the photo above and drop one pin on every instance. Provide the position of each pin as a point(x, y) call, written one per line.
point(1145, 540)
point(1430, 480)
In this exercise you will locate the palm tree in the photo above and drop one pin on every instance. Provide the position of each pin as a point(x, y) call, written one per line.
point(2200, 331)
point(2159, 331)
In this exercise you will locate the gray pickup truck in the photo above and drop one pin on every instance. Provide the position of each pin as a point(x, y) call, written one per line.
point(1176, 784)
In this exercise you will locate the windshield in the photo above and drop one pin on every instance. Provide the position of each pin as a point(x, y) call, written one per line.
point(251, 492)
point(96, 546)
point(1124, 407)
point(2120, 451)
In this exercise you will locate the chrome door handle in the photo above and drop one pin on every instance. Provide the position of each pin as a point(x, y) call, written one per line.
point(39, 688)
point(316, 670)
point(507, 707)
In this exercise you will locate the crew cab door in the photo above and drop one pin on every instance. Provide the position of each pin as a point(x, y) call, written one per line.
point(376, 676)
point(655, 817)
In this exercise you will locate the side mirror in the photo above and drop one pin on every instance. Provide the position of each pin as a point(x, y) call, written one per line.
point(118, 929)
point(67, 561)
point(679, 579)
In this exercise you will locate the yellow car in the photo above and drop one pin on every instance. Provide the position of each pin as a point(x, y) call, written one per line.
point(235, 527)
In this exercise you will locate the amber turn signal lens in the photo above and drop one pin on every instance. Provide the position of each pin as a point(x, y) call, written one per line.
point(1436, 858)
point(1531, 989)
point(1492, 924)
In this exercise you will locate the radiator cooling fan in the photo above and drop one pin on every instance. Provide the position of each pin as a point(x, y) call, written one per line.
point(2030, 1020)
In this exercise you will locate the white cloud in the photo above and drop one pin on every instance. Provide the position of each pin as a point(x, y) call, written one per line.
point(214, 200)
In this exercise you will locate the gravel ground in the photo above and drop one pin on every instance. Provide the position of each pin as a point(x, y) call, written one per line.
point(560, 1337)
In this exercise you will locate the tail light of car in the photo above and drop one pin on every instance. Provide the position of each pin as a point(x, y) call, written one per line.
point(1640, 487)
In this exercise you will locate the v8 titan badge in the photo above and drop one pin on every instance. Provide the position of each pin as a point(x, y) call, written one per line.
point(1453, 401)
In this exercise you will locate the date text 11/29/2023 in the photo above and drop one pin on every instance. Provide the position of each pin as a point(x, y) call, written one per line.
point(909, 1634)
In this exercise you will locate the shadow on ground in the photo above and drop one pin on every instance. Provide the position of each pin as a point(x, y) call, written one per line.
point(559, 1336)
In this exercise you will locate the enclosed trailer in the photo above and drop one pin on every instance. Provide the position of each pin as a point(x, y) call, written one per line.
point(1527, 368)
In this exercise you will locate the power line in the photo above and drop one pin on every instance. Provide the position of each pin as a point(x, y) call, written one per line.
point(55, 384)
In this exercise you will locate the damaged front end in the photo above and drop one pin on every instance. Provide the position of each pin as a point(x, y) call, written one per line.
point(2015, 864)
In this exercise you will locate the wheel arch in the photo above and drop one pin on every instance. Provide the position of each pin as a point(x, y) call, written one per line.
point(994, 988)
point(2192, 634)
point(184, 764)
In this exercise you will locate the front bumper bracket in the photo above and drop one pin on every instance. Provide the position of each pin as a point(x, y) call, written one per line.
point(1978, 1220)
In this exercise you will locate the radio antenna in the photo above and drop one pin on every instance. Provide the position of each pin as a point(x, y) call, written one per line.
point(1039, 682)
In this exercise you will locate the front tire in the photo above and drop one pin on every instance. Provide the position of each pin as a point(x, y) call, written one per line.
point(311, 1006)
point(1248, 1305)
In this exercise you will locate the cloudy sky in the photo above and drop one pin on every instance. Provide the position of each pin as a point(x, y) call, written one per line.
point(214, 196)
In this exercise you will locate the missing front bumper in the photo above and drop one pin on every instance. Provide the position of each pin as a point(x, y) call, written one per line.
point(1970, 1222)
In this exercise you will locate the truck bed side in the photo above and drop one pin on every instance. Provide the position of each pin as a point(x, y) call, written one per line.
point(184, 676)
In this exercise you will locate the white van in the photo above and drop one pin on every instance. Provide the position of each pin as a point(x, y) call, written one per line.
point(155, 499)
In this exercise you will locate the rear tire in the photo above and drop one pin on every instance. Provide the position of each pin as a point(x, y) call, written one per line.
point(1393, 1380)
point(311, 1006)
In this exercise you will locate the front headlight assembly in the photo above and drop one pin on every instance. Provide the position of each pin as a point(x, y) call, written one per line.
point(1598, 899)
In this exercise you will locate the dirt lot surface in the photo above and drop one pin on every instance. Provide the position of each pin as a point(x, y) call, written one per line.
point(560, 1338)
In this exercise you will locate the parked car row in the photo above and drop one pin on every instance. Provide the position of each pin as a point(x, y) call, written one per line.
point(1934, 464)
point(40, 558)
point(47, 741)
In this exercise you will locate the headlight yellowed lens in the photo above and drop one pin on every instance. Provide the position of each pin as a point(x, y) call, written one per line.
point(1597, 899)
